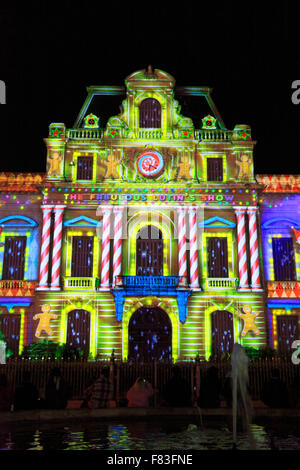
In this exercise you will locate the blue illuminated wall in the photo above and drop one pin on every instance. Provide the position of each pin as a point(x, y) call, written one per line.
point(279, 213)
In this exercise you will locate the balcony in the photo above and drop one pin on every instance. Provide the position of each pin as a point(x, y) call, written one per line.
point(77, 134)
point(222, 283)
point(175, 286)
point(19, 288)
point(150, 133)
point(284, 289)
point(213, 134)
point(150, 282)
point(80, 283)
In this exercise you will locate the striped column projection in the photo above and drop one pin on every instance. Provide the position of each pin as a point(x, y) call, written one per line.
point(105, 260)
point(117, 249)
point(182, 267)
point(253, 242)
point(44, 261)
point(242, 250)
point(56, 251)
point(194, 274)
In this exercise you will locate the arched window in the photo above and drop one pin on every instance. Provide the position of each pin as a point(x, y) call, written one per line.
point(150, 113)
point(149, 252)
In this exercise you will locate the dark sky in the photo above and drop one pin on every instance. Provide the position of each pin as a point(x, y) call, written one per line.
point(248, 54)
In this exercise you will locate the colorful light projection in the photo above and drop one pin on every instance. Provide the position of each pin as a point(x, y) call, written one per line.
point(94, 156)
point(248, 318)
point(134, 304)
point(82, 304)
point(209, 122)
point(112, 164)
point(229, 237)
point(204, 166)
point(44, 321)
point(91, 122)
point(67, 250)
point(155, 195)
point(277, 309)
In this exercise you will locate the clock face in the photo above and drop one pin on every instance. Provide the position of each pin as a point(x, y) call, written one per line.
point(150, 163)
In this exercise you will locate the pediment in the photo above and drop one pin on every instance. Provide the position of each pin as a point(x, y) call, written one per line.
point(218, 222)
point(280, 222)
point(82, 221)
point(17, 221)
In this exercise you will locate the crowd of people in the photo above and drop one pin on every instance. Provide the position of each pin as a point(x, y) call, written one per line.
point(175, 393)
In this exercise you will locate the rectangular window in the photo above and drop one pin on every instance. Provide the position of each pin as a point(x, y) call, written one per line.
point(85, 168)
point(217, 257)
point(82, 257)
point(284, 259)
point(287, 332)
point(214, 169)
point(14, 258)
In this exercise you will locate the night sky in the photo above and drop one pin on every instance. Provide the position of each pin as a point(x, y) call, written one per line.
point(248, 54)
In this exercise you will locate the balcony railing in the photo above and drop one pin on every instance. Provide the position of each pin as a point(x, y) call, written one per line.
point(84, 133)
point(150, 133)
point(213, 134)
point(284, 289)
point(80, 283)
point(220, 283)
point(151, 282)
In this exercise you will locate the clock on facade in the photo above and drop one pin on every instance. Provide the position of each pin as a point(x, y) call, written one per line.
point(150, 163)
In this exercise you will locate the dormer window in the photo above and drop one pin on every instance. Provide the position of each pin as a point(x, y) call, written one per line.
point(150, 114)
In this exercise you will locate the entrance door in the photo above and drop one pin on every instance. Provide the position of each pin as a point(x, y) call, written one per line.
point(287, 332)
point(222, 332)
point(150, 335)
point(149, 252)
point(78, 331)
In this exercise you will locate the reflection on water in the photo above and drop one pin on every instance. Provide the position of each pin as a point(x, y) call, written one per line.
point(139, 435)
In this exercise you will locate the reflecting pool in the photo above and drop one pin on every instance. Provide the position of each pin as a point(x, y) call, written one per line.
point(143, 435)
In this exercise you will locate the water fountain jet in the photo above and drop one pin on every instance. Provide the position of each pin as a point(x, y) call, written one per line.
point(241, 400)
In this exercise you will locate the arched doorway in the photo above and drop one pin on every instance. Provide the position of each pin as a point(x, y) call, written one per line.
point(149, 252)
point(78, 330)
point(150, 335)
point(222, 332)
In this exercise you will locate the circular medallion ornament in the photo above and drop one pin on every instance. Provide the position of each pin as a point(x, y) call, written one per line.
point(150, 163)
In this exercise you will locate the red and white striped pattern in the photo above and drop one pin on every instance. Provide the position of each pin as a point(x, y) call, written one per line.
point(242, 251)
point(56, 254)
point(253, 242)
point(117, 249)
point(182, 267)
point(44, 262)
point(194, 274)
point(105, 261)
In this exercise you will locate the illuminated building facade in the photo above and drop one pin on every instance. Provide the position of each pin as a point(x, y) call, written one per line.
point(280, 226)
point(146, 239)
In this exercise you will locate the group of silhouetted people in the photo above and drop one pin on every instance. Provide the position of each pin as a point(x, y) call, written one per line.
point(27, 396)
point(177, 392)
